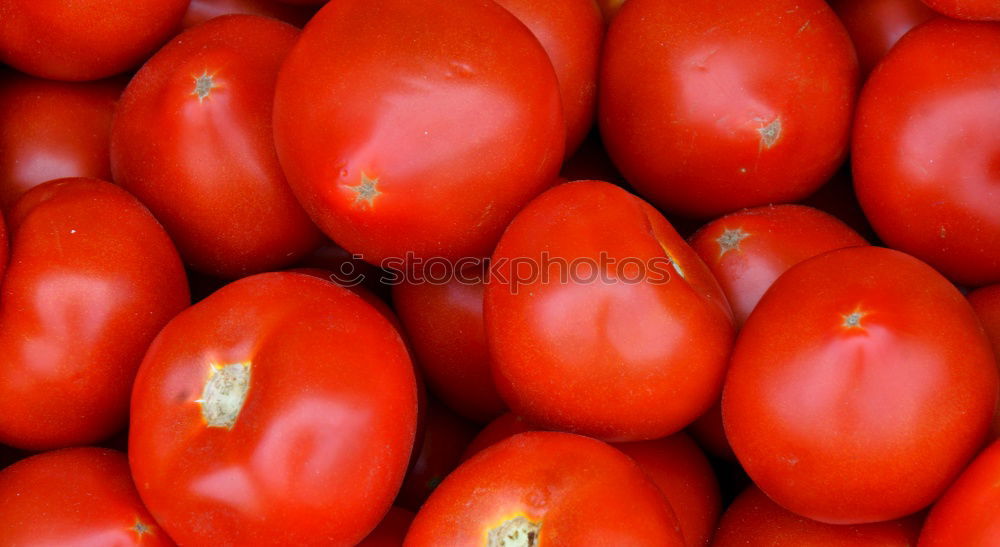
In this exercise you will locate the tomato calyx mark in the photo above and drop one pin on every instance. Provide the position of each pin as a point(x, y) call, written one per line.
point(770, 133)
point(730, 240)
point(203, 85)
point(224, 394)
point(141, 528)
point(366, 191)
point(515, 532)
point(853, 320)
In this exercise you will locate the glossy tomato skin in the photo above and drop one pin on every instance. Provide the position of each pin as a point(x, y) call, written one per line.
point(708, 107)
point(860, 386)
point(977, 10)
point(466, 129)
point(200, 11)
point(575, 490)
point(439, 451)
point(317, 448)
point(571, 32)
point(925, 148)
point(391, 531)
point(80, 302)
point(876, 25)
point(446, 326)
point(753, 519)
point(748, 250)
point(967, 513)
point(74, 496)
point(84, 40)
point(986, 303)
point(51, 130)
point(603, 311)
point(212, 175)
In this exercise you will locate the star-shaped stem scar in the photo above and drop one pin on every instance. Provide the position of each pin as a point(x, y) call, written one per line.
point(730, 240)
point(366, 191)
point(203, 85)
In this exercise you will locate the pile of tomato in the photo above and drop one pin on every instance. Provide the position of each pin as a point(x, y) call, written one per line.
point(500, 273)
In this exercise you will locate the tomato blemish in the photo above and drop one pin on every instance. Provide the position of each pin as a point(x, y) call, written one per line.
point(141, 528)
point(224, 394)
point(730, 240)
point(516, 532)
point(366, 191)
point(770, 133)
point(853, 320)
point(203, 85)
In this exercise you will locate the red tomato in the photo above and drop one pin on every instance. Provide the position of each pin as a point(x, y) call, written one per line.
point(445, 325)
point(391, 531)
point(749, 249)
point(538, 488)
point(571, 32)
point(926, 146)
point(439, 451)
point(860, 386)
point(753, 519)
point(983, 10)
point(578, 318)
point(967, 513)
point(202, 10)
point(51, 130)
point(74, 496)
point(465, 126)
point(876, 25)
point(211, 175)
point(708, 107)
point(84, 39)
point(986, 303)
point(92, 279)
point(279, 410)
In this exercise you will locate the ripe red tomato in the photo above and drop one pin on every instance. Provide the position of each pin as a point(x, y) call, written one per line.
point(876, 25)
point(708, 107)
point(74, 496)
point(92, 279)
point(571, 32)
point(466, 127)
point(391, 531)
point(926, 146)
point(200, 11)
point(578, 318)
point(541, 487)
point(211, 175)
point(982, 10)
point(84, 39)
point(753, 519)
point(986, 303)
point(51, 130)
point(280, 410)
point(445, 325)
point(439, 451)
point(860, 386)
point(967, 513)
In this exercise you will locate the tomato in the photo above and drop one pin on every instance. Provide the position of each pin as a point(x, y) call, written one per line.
point(211, 175)
point(986, 303)
point(571, 32)
point(74, 496)
point(578, 318)
point(465, 130)
point(3, 246)
point(926, 146)
point(391, 531)
point(279, 410)
point(876, 25)
point(51, 130)
point(538, 488)
point(860, 386)
point(445, 324)
point(80, 302)
point(984, 10)
point(439, 451)
point(202, 10)
point(708, 107)
point(84, 39)
point(753, 519)
point(967, 513)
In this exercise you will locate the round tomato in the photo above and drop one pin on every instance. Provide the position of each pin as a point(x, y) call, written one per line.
point(391, 531)
point(538, 488)
point(986, 303)
point(51, 130)
point(74, 496)
point(926, 148)
point(279, 410)
point(876, 25)
point(439, 451)
point(753, 519)
point(983, 10)
point(445, 325)
point(92, 279)
point(967, 513)
point(708, 107)
point(860, 386)
point(202, 10)
point(84, 39)
point(413, 129)
point(211, 174)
